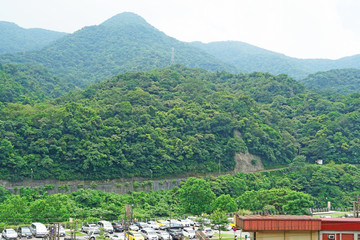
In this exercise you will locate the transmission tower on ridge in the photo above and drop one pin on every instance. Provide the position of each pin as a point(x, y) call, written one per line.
point(172, 56)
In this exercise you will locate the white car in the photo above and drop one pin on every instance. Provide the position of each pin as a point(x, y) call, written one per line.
point(118, 236)
point(184, 222)
point(208, 232)
point(38, 229)
point(106, 225)
point(9, 234)
point(149, 234)
point(153, 225)
point(92, 235)
point(189, 232)
point(89, 228)
point(163, 235)
point(133, 228)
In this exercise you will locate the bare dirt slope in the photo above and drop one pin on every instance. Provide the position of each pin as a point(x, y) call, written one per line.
point(246, 162)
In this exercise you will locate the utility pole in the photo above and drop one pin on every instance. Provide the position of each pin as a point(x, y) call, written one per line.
point(356, 208)
point(172, 56)
point(151, 172)
point(219, 166)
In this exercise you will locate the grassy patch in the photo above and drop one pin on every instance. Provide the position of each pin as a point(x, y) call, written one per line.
point(77, 233)
point(334, 215)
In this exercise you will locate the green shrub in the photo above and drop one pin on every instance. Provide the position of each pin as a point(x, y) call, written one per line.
point(136, 185)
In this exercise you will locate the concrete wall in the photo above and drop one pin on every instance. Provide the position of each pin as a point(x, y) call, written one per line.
point(120, 186)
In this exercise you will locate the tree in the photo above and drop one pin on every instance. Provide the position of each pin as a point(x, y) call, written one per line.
point(224, 203)
point(196, 196)
point(219, 219)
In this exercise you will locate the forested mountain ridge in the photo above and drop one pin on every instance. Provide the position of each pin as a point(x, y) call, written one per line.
point(17, 39)
point(29, 84)
point(248, 58)
point(343, 81)
point(124, 43)
point(176, 120)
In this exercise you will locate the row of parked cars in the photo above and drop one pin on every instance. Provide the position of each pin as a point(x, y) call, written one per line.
point(34, 230)
point(171, 229)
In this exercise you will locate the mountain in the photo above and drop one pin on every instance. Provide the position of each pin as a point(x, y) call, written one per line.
point(29, 84)
point(176, 120)
point(17, 39)
point(248, 58)
point(124, 43)
point(343, 81)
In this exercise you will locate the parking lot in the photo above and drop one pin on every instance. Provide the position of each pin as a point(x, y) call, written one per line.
point(170, 229)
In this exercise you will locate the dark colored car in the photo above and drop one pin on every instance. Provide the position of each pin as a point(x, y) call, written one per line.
point(176, 234)
point(173, 226)
point(118, 227)
point(24, 232)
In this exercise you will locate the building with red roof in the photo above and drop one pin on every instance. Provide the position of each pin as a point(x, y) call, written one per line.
point(284, 227)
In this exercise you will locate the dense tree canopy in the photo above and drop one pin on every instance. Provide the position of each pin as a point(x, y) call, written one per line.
point(176, 120)
point(290, 191)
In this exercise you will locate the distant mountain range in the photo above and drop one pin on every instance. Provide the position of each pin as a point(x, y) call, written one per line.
point(17, 39)
point(124, 43)
point(127, 43)
point(343, 81)
point(248, 58)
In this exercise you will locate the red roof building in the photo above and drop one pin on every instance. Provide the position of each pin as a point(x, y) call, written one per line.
point(283, 227)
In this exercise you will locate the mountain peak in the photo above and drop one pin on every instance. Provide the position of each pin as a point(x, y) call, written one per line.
point(125, 18)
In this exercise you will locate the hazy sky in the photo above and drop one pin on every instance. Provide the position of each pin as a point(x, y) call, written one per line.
point(297, 28)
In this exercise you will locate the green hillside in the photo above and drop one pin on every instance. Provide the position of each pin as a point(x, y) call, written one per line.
point(248, 58)
point(28, 84)
point(17, 39)
point(343, 81)
point(124, 43)
point(175, 120)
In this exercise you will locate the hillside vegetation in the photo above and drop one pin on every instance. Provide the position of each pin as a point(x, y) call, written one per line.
point(176, 120)
point(343, 81)
point(293, 191)
point(124, 43)
point(17, 39)
point(29, 84)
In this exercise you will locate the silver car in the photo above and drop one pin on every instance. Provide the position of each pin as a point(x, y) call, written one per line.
point(163, 235)
point(149, 234)
point(9, 234)
point(89, 228)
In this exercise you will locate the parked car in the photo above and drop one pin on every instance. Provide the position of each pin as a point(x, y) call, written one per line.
point(184, 222)
point(189, 232)
point(92, 234)
point(153, 225)
point(133, 235)
point(89, 227)
point(176, 234)
point(118, 227)
point(120, 236)
point(172, 226)
point(208, 232)
point(163, 235)
point(106, 225)
point(142, 225)
point(149, 234)
point(161, 222)
point(38, 229)
point(133, 228)
point(9, 234)
point(24, 232)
